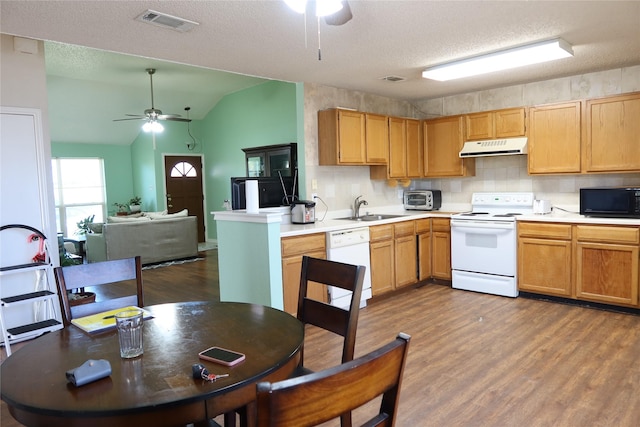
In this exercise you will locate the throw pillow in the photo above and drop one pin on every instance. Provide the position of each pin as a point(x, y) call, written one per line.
point(153, 215)
point(182, 213)
point(115, 219)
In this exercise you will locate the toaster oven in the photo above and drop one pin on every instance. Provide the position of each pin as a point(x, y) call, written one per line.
point(422, 200)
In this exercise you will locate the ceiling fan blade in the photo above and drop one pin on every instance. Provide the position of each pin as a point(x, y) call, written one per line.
point(176, 119)
point(341, 17)
point(168, 116)
point(131, 118)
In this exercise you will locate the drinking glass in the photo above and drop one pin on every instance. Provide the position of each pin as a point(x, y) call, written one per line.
point(129, 324)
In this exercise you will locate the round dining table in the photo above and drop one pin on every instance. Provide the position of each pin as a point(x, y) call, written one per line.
point(157, 388)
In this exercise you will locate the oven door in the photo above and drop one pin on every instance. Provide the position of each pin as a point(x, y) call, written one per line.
point(484, 246)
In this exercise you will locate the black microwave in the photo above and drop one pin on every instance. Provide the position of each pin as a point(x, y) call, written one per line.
point(612, 202)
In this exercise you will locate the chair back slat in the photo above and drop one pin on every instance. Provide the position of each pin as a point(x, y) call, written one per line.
point(98, 274)
point(334, 319)
point(321, 396)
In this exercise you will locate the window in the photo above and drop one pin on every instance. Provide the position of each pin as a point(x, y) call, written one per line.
point(183, 169)
point(79, 190)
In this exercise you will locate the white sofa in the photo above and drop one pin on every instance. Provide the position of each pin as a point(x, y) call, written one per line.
point(154, 240)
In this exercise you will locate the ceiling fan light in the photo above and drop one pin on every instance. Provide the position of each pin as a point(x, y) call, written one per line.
point(502, 60)
point(299, 6)
point(152, 126)
point(328, 7)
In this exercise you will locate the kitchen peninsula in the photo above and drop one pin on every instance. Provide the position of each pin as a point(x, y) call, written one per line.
point(251, 258)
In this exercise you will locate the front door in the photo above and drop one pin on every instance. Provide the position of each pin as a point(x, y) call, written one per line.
point(183, 179)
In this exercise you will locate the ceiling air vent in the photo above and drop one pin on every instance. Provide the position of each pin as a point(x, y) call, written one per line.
point(166, 21)
point(393, 78)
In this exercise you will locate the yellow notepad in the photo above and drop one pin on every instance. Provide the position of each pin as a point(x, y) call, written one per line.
point(104, 321)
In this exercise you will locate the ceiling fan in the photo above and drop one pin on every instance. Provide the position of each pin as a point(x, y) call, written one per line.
point(335, 12)
point(153, 115)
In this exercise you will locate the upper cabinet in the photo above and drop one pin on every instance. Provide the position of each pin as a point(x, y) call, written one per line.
point(495, 124)
point(405, 151)
point(376, 139)
point(612, 134)
point(347, 137)
point(443, 140)
point(271, 160)
point(554, 139)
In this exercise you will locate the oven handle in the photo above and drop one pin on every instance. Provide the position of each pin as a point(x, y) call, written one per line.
point(476, 226)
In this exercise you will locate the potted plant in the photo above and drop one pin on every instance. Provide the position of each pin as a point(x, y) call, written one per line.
point(84, 225)
point(122, 208)
point(134, 204)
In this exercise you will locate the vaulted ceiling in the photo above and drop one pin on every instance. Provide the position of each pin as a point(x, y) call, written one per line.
point(239, 43)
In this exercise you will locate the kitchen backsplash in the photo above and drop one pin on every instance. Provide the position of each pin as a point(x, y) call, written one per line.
point(339, 185)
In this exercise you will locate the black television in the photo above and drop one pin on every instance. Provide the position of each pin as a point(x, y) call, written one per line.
point(270, 189)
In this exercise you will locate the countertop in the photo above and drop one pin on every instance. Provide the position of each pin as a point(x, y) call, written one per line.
point(334, 224)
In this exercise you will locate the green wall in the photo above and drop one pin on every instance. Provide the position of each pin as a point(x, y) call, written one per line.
point(270, 113)
point(117, 167)
point(262, 115)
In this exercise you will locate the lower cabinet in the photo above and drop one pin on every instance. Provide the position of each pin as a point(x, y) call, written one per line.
point(544, 254)
point(382, 254)
point(586, 262)
point(293, 249)
point(607, 264)
point(441, 248)
point(405, 253)
point(423, 231)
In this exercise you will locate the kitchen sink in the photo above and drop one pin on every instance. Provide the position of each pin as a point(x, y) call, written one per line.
point(370, 217)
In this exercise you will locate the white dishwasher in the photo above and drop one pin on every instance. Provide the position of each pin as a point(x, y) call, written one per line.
point(351, 247)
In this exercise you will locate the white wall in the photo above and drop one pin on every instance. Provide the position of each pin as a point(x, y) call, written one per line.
point(338, 185)
point(23, 84)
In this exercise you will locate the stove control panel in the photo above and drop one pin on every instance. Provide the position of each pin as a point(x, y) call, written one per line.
point(502, 199)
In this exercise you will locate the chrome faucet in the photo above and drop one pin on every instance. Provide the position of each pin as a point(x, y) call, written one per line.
point(356, 206)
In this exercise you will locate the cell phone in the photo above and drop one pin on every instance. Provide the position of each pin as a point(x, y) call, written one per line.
point(222, 356)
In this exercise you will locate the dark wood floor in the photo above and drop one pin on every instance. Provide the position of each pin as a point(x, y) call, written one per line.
point(475, 360)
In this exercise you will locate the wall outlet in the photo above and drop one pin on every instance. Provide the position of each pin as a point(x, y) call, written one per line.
point(313, 196)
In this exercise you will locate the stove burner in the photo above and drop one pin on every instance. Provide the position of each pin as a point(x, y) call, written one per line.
point(509, 214)
point(474, 213)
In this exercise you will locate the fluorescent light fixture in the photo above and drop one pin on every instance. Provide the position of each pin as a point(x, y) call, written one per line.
point(323, 7)
point(152, 126)
point(502, 60)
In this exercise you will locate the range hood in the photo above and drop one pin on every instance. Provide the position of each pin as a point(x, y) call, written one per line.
point(494, 147)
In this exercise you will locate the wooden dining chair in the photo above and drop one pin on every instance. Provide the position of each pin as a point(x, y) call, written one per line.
point(98, 274)
point(318, 313)
point(322, 396)
point(334, 319)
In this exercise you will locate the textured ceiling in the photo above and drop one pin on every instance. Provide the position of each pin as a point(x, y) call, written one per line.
point(267, 40)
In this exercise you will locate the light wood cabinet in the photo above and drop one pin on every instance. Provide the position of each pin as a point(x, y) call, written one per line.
point(598, 263)
point(397, 148)
point(554, 139)
point(376, 139)
point(405, 151)
point(443, 140)
point(607, 264)
point(347, 137)
point(612, 134)
point(341, 137)
point(441, 248)
point(293, 248)
point(544, 258)
point(505, 123)
point(382, 254)
point(423, 231)
point(406, 253)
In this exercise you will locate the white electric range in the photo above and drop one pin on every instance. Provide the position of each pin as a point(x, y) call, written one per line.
point(483, 243)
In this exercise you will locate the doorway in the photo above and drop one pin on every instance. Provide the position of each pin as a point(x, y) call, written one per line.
point(183, 182)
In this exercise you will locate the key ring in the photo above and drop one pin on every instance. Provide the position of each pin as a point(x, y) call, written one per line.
point(201, 373)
